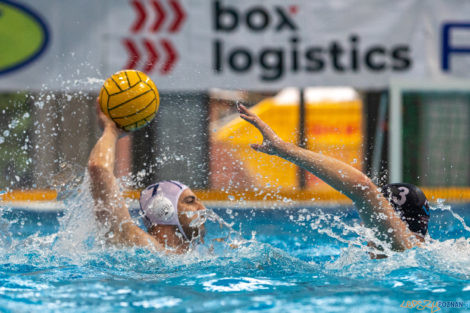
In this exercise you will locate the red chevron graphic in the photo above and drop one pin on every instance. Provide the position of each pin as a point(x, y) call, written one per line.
point(134, 55)
point(160, 15)
point(172, 56)
point(180, 16)
point(141, 16)
point(150, 48)
point(141, 11)
point(153, 55)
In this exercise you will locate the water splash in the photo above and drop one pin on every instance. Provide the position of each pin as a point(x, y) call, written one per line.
point(440, 205)
point(78, 228)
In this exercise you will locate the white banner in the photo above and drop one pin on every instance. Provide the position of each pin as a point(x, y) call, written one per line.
point(243, 44)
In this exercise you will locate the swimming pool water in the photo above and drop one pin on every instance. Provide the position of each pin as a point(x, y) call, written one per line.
point(286, 260)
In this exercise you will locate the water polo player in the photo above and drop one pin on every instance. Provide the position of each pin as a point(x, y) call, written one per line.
point(168, 207)
point(398, 214)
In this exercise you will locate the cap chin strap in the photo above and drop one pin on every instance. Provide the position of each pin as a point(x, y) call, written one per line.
point(164, 210)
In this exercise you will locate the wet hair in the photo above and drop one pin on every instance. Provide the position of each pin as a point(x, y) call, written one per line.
point(411, 203)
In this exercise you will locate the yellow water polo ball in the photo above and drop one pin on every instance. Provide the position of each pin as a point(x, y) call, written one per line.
point(130, 98)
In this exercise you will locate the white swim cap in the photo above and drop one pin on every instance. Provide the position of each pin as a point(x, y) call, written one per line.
point(159, 204)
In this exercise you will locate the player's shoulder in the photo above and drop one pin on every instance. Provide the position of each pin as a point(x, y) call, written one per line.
point(133, 235)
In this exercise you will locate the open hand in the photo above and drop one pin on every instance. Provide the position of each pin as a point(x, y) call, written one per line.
point(271, 141)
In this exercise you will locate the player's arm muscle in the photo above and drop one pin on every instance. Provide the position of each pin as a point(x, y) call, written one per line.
point(110, 207)
point(375, 211)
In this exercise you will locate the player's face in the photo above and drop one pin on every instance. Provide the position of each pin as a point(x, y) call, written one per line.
point(189, 210)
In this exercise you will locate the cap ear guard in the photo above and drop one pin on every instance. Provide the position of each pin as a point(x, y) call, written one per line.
point(162, 208)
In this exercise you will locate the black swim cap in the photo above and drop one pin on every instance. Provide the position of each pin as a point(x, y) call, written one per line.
point(411, 203)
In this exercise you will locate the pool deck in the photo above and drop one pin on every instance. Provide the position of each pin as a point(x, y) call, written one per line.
point(51, 201)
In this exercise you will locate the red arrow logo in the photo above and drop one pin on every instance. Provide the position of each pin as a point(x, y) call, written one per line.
point(153, 55)
point(160, 16)
point(141, 16)
point(134, 54)
point(172, 56)
point(180, 16)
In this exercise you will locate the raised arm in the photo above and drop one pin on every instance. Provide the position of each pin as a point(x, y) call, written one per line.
point(110, 207)
point(375, 211)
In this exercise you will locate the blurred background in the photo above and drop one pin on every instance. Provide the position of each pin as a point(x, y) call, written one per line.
point(383, 86)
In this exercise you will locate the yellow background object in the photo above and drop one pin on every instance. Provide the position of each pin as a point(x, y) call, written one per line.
point(333, 127)
point(262, 170)
point(450, 194)
point(130, 98)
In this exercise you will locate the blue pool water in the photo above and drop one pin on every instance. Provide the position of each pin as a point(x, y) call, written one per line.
point(286, 260)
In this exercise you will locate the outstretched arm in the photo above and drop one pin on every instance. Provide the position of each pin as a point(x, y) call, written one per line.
point(110, 207)
point(375, 211)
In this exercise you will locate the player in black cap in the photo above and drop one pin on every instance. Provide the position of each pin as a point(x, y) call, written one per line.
point(397, 213)
point(411, 204)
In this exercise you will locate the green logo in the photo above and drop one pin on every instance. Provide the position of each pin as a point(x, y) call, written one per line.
point(23, 36)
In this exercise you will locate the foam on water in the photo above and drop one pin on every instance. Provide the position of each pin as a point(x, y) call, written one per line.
point(79, 240)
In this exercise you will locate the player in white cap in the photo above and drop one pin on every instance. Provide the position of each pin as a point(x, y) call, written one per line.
point(168, 208)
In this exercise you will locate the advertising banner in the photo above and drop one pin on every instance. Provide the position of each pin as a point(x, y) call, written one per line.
point(244, 44)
